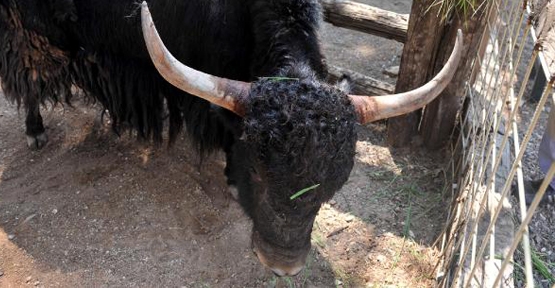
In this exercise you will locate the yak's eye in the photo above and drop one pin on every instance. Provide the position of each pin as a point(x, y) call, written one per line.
point(254, 174)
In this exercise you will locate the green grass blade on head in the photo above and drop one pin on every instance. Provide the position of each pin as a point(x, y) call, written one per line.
point(301, 192)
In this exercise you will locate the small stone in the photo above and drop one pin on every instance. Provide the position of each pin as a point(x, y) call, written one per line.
point(392, 71)
point(1, 273)
point(350, 218)
point(28, 279)
point(29, 218)
point(37, 283)
point(54, 211)
point(440, 275)
point(411, 234)
point(381, 258)
point(333, 202)
point(11, 237)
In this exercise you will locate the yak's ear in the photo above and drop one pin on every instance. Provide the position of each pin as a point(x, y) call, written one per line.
point(3, 11)
point(344, 84)
point(63, 10)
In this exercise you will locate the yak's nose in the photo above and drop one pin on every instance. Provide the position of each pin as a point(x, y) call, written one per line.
point(287, 272)
point(279, 270)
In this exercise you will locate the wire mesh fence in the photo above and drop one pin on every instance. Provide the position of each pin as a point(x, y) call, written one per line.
point(483, 231)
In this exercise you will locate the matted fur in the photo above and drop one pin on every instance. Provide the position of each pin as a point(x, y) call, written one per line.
point(297, 132)
point(30, 66)
point(33, 70)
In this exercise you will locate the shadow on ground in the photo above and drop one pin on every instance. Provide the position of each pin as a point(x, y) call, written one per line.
point(92, 209)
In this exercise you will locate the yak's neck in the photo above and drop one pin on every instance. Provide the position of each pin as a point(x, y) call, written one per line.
point(286, 38)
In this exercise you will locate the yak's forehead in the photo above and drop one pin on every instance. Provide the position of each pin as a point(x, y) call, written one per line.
point(289, 105)
point(292, 116)
point(304, 134)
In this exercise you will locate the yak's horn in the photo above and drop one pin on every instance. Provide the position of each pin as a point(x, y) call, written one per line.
point(226, 93)
point(375, 108)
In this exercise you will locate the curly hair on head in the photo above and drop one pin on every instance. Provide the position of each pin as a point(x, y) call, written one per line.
point(304, 128)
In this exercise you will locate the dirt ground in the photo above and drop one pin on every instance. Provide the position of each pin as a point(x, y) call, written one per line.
point(94, 209)
point(363, 53)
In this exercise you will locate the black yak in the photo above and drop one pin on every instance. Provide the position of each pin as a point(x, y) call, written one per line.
point(264, 100)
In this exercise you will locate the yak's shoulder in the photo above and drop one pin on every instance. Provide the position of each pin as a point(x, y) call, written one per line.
point(46, 10)
point(308, 11)
point(63, 10)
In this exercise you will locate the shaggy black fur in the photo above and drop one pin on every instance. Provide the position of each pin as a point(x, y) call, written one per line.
point(293, 40)
point(48, 46)
point(297, 132)
point(31, 68)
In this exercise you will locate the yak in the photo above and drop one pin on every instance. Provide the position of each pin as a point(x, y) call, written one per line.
point(244, 76)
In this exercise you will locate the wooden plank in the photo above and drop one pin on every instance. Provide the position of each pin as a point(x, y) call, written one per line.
point(440, 116)
point(417, 67)
point(360, 84)
point(366, 18)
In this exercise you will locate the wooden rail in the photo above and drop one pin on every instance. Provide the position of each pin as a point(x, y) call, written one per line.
point(366, 18)
point(360, 84)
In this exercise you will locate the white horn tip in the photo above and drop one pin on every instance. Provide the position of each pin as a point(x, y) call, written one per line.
point(144, 6)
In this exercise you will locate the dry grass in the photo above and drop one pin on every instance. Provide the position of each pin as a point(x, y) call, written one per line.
point(466, 8)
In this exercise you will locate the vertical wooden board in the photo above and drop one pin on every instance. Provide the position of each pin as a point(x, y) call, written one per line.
point(439, 117)
point(417, 66)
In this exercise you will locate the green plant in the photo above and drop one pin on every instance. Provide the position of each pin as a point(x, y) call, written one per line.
point(542, 267)
point(298, 194)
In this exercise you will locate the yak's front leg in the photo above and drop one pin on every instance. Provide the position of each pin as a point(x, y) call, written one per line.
point(34, 129)
point(32, 68)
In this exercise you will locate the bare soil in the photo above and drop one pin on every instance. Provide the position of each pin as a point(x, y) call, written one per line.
point(94, 209)
point(364, 53)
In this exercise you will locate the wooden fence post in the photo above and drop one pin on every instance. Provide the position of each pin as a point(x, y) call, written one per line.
point(417, 66)
point(429, 44)
point(439, 117)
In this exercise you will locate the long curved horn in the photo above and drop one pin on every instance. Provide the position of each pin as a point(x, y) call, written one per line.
point(226, 93)
point(375, 108)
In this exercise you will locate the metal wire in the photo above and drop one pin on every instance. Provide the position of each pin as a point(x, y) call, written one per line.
point(543, 187)
point(491, 105)
point(483, 141)
point(496, 168)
